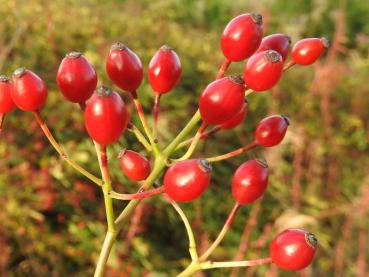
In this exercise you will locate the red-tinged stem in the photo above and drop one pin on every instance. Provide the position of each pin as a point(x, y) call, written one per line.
point(233, 153)
point(82, 105)
point(222, 70)
point(289, 65)
point(2, 118)
point(202, 136)
point(155, 113)
point(223, 232)
point(139, 195)
point(142, 117)
point(58, 149)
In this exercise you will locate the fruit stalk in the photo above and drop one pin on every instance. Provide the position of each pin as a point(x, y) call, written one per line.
point(2, 118)
point(58, 149)
point(155, 113)
point(233, 153)
point(140, 137)
point(223, 232)
point(138, 195)
point(203, 136)
point(222, 70)
point(142, 117)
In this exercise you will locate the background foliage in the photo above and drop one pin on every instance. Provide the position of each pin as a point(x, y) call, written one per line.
point(52, 220)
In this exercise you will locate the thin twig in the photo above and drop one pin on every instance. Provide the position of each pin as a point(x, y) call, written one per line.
point(138, 195)
point(233, 153)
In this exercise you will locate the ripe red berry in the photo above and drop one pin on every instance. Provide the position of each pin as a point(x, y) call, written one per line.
point(307, 51)
point(271, 130)
point(187, 180)
point(76, 78)
point(124, 67)
point(164, 70)
point(242, 36)
point(293, 249)
point(222, 99)
point(235, 120)
point(277, 42)
point(250, 181)
point(134, 165)
point(263, 70)
point(6, 101)
point(29, 91)
point(105, 116)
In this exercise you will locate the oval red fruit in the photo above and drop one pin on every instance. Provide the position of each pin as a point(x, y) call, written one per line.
point(105, 116)
point(222, 99)
point(187, 180)
point(263, 70)
point(250, 181)
point(293, 249)
point(277, 42)
point(29, 91)
point(164, 70)
point(6, 101)
point(124, 67)
point(235, 120)
point(308, 50)
point(134, 165)
point(76, 78)
point(271, 130)
point(242, 36)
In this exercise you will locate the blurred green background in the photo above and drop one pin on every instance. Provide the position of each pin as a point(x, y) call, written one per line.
point(53, 220)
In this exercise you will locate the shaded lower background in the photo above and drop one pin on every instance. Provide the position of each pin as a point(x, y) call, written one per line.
point(52, 219)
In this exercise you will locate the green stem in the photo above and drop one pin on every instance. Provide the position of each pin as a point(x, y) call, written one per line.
point(194, 143)
point(223, 232)
point(203, 136)
point(191, 237)
point(64, 156)
point(103, 162)
point(140, 137)
point(142, 117)
point(181, 136)
point(138, 195)
point(104, 254)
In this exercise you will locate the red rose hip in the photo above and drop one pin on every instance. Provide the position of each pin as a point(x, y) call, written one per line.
point(124, 67)
point(187, 180)
point(235, 120)
point(242, 36)
point(271, 130)
point(293, 249)
point(263, 70)
point(277, 42)
point(134, 165)
point(222, 99)
point(308, 50)
point(250, 181)
point(76, 78)
point(164, 70)
point(105, 116)
point(6, 101)
point(29, 91)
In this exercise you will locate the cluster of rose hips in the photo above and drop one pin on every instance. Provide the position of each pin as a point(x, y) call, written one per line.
point(221, 104)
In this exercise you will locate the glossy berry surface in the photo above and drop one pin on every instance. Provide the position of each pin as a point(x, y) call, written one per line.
point(187, 180)
point(293, 249)
point(105, 116)
point(164, 70)
point(307, 51)
point(6, 101)
point(242, 36)
point(263, 70)
point(277, 42)
point(134, 165)
point(29, 91)
point(76, 78)
point(124, 68)
point(250, 181)
point(221, 100)
point(271, 130)
point(235, 120)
